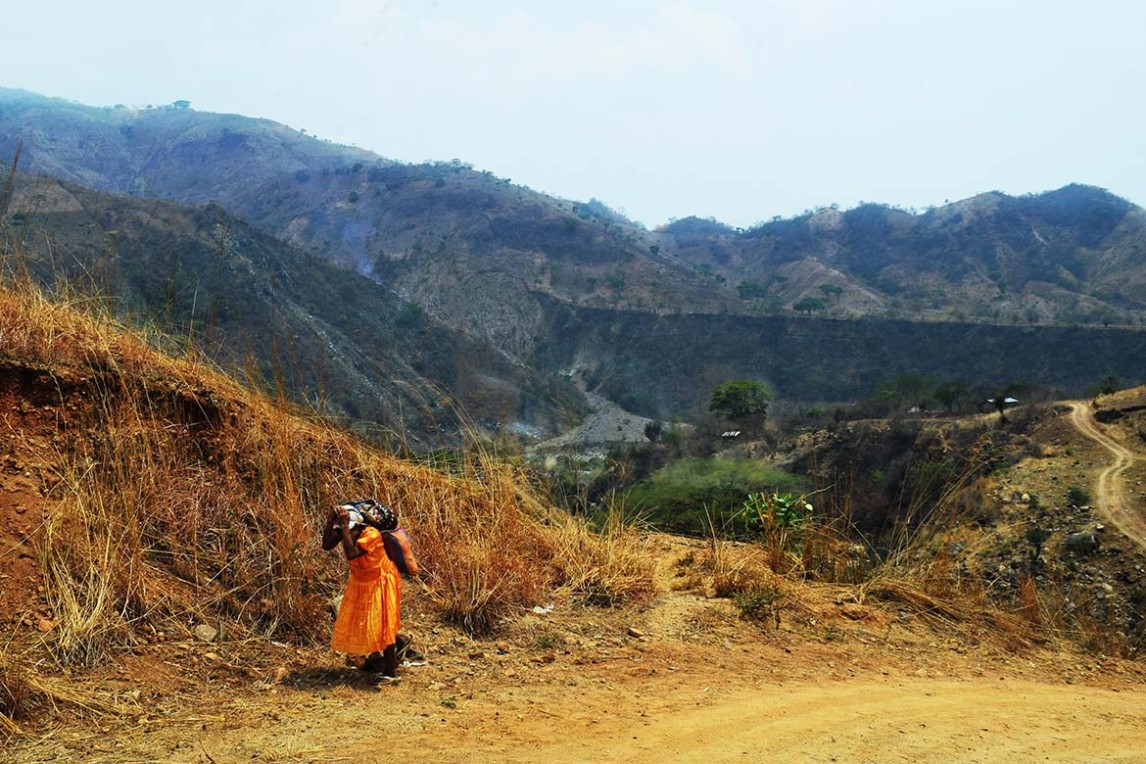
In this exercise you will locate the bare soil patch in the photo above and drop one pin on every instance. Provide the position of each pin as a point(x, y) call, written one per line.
point(683, 678)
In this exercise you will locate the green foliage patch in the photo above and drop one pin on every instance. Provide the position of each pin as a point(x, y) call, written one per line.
point(684, 494)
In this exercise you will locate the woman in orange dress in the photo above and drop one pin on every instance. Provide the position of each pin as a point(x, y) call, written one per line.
point(368, 618)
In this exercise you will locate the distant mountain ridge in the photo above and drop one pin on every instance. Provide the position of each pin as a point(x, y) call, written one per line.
point(509, 267)
point(288, 320)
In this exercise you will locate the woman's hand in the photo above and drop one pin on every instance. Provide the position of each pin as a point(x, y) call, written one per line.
point(337, 521)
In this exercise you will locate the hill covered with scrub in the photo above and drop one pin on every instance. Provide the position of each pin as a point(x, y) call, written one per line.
point(148, 493)
point(458, 285)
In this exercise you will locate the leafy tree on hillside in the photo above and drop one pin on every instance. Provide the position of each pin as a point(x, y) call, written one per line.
point(916, 389)
point(744, 401)
point(1107, 386)
point(952, 395)
point(748, 290)
point(808, 304)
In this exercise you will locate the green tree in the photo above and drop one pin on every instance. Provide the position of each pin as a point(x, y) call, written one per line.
point(808, 304)
point(916, 389)
point(831, 290)
point(952, 395)
point(741, 400)
point(1108, 386)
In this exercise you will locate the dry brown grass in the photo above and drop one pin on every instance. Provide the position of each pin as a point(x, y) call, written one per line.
point(606, 566)
point(25, 692)
point(184, 498)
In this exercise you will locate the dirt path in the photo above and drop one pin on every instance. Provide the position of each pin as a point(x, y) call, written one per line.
point(864, 720)
point(611, 715)
point(1109, 488)
point(702, 687)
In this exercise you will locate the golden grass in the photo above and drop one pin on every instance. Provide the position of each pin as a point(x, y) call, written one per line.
point(183, 497)
point(25, 692)
point(604, 567)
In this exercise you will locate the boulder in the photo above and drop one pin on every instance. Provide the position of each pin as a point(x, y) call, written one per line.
point(1083, 543)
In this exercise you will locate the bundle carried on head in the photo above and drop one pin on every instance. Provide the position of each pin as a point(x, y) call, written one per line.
point(373, 513)
point(395, 538)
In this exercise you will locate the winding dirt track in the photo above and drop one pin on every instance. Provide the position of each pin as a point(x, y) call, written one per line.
point(1110, 494)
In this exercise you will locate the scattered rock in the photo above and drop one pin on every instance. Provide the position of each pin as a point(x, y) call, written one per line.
point(635, 633)
point(44, 625)
point(205, 633)
point(1082, 543)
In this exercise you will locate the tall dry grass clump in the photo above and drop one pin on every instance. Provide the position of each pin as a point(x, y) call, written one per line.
point(606, 565)
point(184, 498)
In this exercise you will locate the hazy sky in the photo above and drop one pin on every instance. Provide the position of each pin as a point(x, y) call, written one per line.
point(735, 110)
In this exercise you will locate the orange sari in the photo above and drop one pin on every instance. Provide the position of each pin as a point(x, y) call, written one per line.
point(368, 618)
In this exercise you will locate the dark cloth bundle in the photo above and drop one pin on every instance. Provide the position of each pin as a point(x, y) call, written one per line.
point(394, 537)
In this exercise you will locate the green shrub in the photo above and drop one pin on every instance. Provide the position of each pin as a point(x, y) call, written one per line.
point(1078, 496)
point(761, 604)
point(685, 495)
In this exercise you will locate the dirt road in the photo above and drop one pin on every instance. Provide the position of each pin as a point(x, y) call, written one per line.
point(876, 696)
point(865, 720)
point(1110, 496)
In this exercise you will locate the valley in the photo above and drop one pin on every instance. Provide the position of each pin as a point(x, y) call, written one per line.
point(502, 306)
point(214, 328)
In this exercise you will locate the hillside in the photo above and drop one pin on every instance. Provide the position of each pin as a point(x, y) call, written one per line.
point(531, 298)
point(292, 322)
point(1062, 257)
point(468, 246)
point(146, 497)
point(1065, 257)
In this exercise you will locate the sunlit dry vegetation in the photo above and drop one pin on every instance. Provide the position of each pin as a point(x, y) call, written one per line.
point(175, 496)
point(179, 497)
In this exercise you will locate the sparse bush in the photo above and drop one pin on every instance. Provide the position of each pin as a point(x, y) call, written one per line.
point(761, 605)
point(1077, 496)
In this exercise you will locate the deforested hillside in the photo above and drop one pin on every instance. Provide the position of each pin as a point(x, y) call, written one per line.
point(514, 303)
point(292, 322)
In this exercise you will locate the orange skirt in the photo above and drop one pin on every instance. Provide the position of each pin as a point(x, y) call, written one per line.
point(369, 617)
